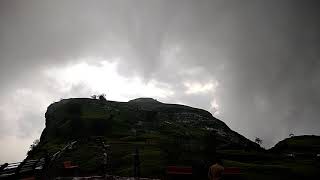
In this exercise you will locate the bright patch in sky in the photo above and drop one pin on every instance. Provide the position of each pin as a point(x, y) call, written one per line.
point(214, 107)
point(104, 78)
point(196, 87)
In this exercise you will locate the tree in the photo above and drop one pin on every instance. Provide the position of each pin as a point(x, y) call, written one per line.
point(94, 96)
point(258, 141)
point(102, 97)
point(33, 147)
point(34, 144)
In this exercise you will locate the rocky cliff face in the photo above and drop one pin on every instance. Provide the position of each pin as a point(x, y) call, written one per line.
point(164, 133)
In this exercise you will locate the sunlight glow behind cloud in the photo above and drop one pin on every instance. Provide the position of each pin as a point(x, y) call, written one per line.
point(196, 87)
point(104, 78)
point(214, 107)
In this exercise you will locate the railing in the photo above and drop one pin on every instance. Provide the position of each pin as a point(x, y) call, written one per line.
point(8, 169)
point(31, 167)
point(22, 169)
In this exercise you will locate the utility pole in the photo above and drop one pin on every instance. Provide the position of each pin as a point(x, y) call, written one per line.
point(136, 164)
point(106, 159)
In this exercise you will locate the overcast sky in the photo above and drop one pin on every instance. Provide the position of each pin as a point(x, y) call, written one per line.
point(253, 64)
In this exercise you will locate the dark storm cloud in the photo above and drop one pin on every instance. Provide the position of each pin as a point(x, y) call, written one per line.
point(45, 32)
point(276, 62)
point(269, 54)
point(264, 54)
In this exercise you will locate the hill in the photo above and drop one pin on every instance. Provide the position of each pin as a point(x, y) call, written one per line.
point(163, 133)
point(306, 144)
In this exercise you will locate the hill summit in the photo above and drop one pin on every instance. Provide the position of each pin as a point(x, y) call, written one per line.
point(144, 100)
